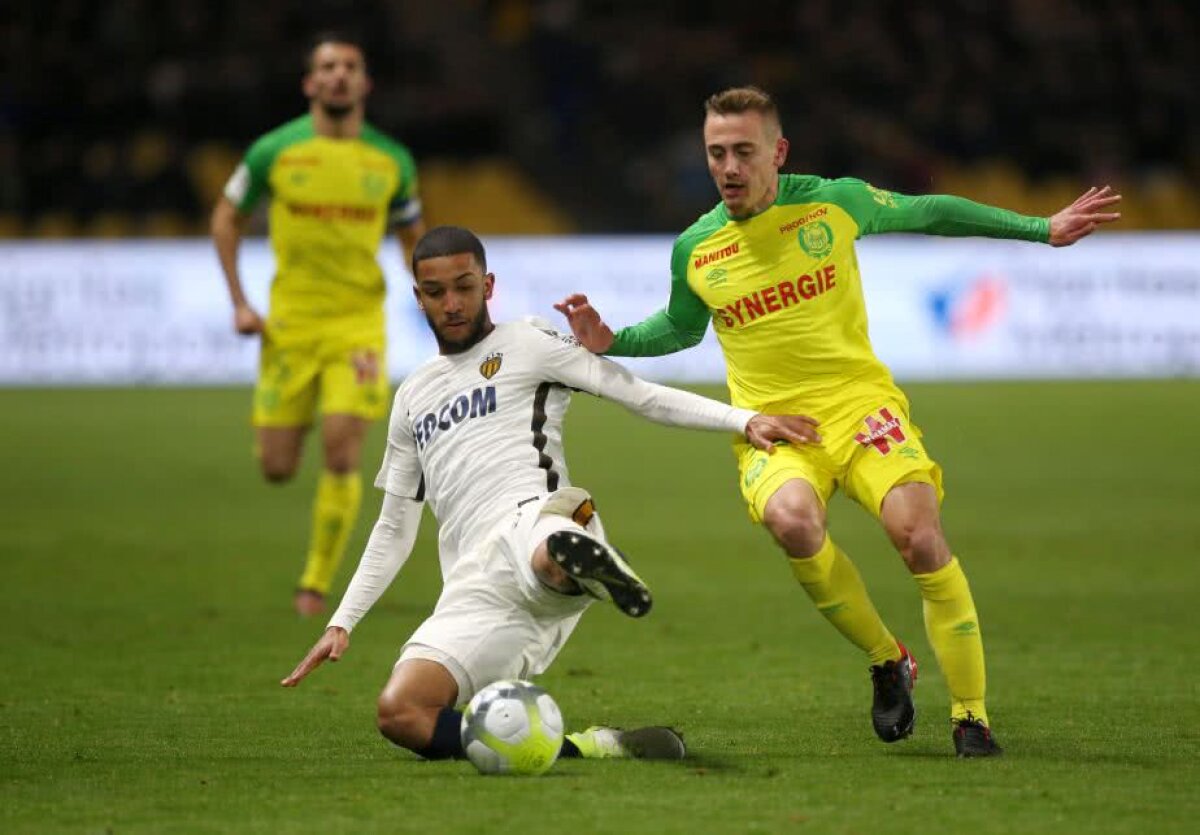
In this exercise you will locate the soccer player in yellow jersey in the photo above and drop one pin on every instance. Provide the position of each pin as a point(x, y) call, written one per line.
point(336, 185)
point(773, 267)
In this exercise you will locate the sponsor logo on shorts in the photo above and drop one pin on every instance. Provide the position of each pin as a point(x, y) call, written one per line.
point(755, 469)
point(366, 367)
point(882, 432)
point(491, 364)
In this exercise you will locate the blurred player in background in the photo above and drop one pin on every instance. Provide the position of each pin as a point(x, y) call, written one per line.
point(477, 432)
point(336, 185)
point(773, 266)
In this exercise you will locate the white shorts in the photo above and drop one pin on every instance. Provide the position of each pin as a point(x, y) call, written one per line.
point(494, 619)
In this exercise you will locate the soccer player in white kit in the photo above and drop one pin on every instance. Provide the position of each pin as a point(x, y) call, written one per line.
point(477, 433)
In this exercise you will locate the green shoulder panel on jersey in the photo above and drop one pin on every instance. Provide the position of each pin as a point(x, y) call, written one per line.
point(376, 138)
point(262, 154)
point(705, 226)
point(799, 188)
point(859, 199)
point(687, 312)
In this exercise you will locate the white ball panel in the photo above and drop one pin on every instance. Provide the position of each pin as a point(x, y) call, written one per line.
point(507, 719)
point(552, 719)
point(484, 758)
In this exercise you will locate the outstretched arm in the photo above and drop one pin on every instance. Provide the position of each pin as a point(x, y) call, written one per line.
point(387, 550)
point(675, 407)
point(878, 211)
point(582, 370)
point(951, 216)
point(680, 325)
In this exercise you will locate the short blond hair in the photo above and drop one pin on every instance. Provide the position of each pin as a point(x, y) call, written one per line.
point(742, 100)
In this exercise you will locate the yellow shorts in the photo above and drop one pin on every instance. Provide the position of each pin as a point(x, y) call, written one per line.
point(348, 375)
point(865, 453)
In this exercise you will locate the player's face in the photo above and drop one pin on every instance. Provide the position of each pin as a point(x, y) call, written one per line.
point(337, 79)
point(453, 291)
point(745, 152)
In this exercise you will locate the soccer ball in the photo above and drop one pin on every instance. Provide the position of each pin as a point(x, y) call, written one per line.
point(512, 727)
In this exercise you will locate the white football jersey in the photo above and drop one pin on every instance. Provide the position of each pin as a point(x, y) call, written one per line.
point(478, 432)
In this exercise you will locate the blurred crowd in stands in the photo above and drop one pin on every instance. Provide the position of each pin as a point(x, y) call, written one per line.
point(124, 117)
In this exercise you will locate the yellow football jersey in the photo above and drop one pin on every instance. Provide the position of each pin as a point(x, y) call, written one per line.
point(784, 293)
point(331, 202)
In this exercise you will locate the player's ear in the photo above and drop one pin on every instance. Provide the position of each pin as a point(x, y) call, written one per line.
point(308, 85)
point(417, 296)
point(489, 283)
point(781, 152)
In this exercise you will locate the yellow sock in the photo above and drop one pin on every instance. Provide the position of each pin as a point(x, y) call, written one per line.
point(953, 629)
point(334, 512)
point(835, 585)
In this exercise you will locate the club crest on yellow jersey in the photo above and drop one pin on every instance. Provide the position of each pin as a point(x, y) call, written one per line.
point(374, 185)
point(490, 365)
point(816, 238)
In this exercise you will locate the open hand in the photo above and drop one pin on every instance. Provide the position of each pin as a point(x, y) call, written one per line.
point(586, 323)
point(763, 431)
point(1082, 217)
point(329, 647)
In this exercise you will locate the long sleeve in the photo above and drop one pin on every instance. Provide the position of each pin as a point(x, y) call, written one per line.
point(681, 324)
point(565, 361)
point(666, 405)
point(958, 217)
point(387, 550)
point(878, 211)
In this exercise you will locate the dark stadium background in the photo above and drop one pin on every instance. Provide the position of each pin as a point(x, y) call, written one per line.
point(124, 117)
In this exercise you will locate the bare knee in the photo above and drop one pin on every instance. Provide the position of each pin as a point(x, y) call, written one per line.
point(408, 707)
point(402, 722)
point(279, 452)
point(922, 546)
point(278, 470)
point(799, 528)
point(342, 439)
point(340, 461)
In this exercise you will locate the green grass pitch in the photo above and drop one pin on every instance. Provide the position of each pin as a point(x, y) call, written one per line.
point(146, 605)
